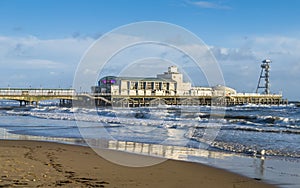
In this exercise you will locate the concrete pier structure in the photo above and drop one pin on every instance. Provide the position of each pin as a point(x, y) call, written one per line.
point(68, 97)
point(170, 89)
point(139, 101)
point(164, 89)
point(32, 96)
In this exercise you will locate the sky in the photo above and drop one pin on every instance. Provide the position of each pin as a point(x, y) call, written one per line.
point(42, 42)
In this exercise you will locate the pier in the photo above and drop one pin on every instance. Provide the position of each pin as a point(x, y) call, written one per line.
point(168, 88)
point(32, 96)
point(66, 97)
point(237, 99)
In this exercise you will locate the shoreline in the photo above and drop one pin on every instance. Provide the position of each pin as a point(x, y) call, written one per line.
point(34, 163)
point(281, 172)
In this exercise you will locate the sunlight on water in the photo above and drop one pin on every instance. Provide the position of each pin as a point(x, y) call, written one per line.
point(172, 132)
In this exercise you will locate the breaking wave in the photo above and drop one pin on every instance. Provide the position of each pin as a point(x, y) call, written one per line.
point(247, 129)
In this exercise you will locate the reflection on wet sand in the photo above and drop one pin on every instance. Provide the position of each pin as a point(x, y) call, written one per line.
point(157, 150)
point(170, 152)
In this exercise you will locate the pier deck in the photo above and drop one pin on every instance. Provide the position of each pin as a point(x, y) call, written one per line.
point(240, 99)
point(29, 96)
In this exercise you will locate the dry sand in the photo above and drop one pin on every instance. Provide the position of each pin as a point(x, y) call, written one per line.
point(44, 164)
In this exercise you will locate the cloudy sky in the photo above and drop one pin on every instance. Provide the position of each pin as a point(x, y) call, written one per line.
point(42, 42)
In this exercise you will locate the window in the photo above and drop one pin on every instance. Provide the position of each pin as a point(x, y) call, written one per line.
point(149, 85)
point(156, 85)
point(142, 85)
point(133, 85)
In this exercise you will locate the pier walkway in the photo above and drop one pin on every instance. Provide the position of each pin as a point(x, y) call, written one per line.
point(229, 100)
point(31, 96)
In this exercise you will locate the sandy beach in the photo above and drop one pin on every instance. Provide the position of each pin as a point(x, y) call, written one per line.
point(46, 164)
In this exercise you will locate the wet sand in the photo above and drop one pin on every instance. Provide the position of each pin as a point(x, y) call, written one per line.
point(46, 164)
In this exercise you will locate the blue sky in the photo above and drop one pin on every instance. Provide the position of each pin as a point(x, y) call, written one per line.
point(41, 42)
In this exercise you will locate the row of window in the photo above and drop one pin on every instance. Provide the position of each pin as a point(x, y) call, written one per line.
point(149, 85)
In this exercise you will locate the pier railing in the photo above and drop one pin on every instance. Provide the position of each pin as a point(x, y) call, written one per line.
point(36, 92)
point(67, 96)
point(32, 96)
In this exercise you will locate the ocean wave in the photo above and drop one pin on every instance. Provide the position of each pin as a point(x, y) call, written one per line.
point(241, 129)
point(251, 141)
point(189, 117)
point(253, 150)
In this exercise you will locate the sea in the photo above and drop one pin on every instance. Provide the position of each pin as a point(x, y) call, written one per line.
point(258, 141)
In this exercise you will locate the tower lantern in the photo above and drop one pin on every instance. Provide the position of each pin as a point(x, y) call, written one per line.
point(264, 74)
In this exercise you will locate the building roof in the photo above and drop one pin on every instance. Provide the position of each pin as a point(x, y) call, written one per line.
point(224, 88)
point(145, 79)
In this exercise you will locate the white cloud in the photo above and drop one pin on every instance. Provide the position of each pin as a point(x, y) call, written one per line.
point(42, 64)
point(35, 60)
point(232, 53)
point(241, 65)
point(209, 5)
point(32, 61)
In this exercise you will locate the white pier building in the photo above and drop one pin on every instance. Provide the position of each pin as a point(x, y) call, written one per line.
point(169, 83)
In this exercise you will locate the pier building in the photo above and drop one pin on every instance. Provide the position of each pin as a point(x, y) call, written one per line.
point(169, 88)
point(169, 83)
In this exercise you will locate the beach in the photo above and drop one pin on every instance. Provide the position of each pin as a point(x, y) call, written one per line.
point(49, 164)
